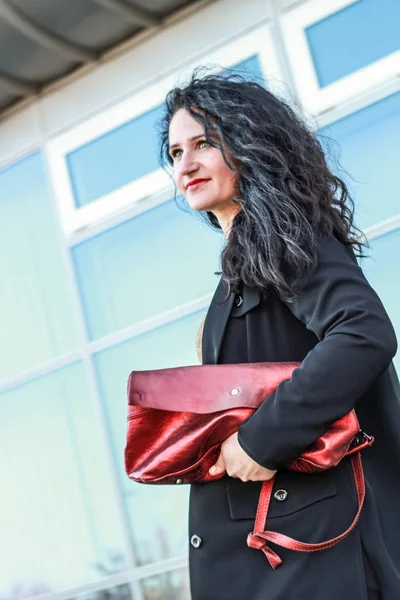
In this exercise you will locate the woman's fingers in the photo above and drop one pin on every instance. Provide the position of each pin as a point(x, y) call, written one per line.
point(219, 466)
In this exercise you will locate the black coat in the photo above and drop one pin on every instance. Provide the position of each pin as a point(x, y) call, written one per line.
point(339, 330)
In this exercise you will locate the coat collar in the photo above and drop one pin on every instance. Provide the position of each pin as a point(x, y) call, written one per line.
point(218, 314)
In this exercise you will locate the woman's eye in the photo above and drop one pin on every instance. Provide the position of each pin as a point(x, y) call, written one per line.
point(176, 153)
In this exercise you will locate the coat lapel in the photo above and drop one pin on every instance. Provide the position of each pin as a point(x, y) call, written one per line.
point(218, 315)
point(215, 323)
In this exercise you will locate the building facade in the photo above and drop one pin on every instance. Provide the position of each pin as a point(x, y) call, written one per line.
point(88, 219)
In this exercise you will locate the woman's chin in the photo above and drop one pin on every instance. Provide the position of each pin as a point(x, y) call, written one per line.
point(199, 206)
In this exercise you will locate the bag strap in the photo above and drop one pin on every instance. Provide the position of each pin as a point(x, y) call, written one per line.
point(258, 538)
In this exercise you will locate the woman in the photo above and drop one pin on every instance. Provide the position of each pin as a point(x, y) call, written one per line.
point(291, 290)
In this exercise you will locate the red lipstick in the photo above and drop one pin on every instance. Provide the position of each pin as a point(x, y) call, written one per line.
point(195, 183)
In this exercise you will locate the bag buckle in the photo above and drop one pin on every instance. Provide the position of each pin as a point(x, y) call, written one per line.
point(361, 439)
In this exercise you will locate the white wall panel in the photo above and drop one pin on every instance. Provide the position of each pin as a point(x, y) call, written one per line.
point(19, 135)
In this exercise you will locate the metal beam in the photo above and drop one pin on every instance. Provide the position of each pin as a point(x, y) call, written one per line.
point(25, 25)
point(134, 13)
point(17, 86)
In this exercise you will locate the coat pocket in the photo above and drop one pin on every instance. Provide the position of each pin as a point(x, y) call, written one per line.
point(292, 492)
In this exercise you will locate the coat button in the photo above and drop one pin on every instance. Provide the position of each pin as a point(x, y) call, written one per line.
point(196, 541)
point(238, 300)
point(281, 495)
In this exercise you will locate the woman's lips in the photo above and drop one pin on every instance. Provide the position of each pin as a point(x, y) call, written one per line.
point(196, 183)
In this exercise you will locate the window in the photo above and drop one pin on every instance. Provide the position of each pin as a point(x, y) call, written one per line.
point(338, 49)
point(370, 151)
point(37, 322)
point(146, 266)
point(55, 477)
point(172, 585)
point(115, 159)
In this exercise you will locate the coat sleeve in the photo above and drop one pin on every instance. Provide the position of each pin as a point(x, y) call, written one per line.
point(356, 344)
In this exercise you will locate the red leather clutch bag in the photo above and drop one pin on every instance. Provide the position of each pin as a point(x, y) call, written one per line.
point(179, 417)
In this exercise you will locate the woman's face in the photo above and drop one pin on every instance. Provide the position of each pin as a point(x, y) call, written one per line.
point(200, 171)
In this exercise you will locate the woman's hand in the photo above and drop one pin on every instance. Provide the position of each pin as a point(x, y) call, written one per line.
point(236, 463)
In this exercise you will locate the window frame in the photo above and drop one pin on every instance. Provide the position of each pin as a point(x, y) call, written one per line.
point(314, 98)
point(157, 186)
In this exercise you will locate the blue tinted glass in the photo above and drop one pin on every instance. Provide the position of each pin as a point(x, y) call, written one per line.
point(382, 270)
point(120, 592)
point(173, 584)
point(158, 532)
point(37, 321)
point(370, 152)
point(354, 38)
point(144, 267)
point(58, 517)
point(250, 68)
point(115, 159)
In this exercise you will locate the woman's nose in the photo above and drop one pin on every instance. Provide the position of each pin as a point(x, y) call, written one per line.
point(188, 164)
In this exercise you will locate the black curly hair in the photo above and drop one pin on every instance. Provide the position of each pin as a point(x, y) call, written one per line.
point(288, 194)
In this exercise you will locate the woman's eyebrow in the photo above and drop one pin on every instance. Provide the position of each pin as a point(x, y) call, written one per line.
point(191, 139)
